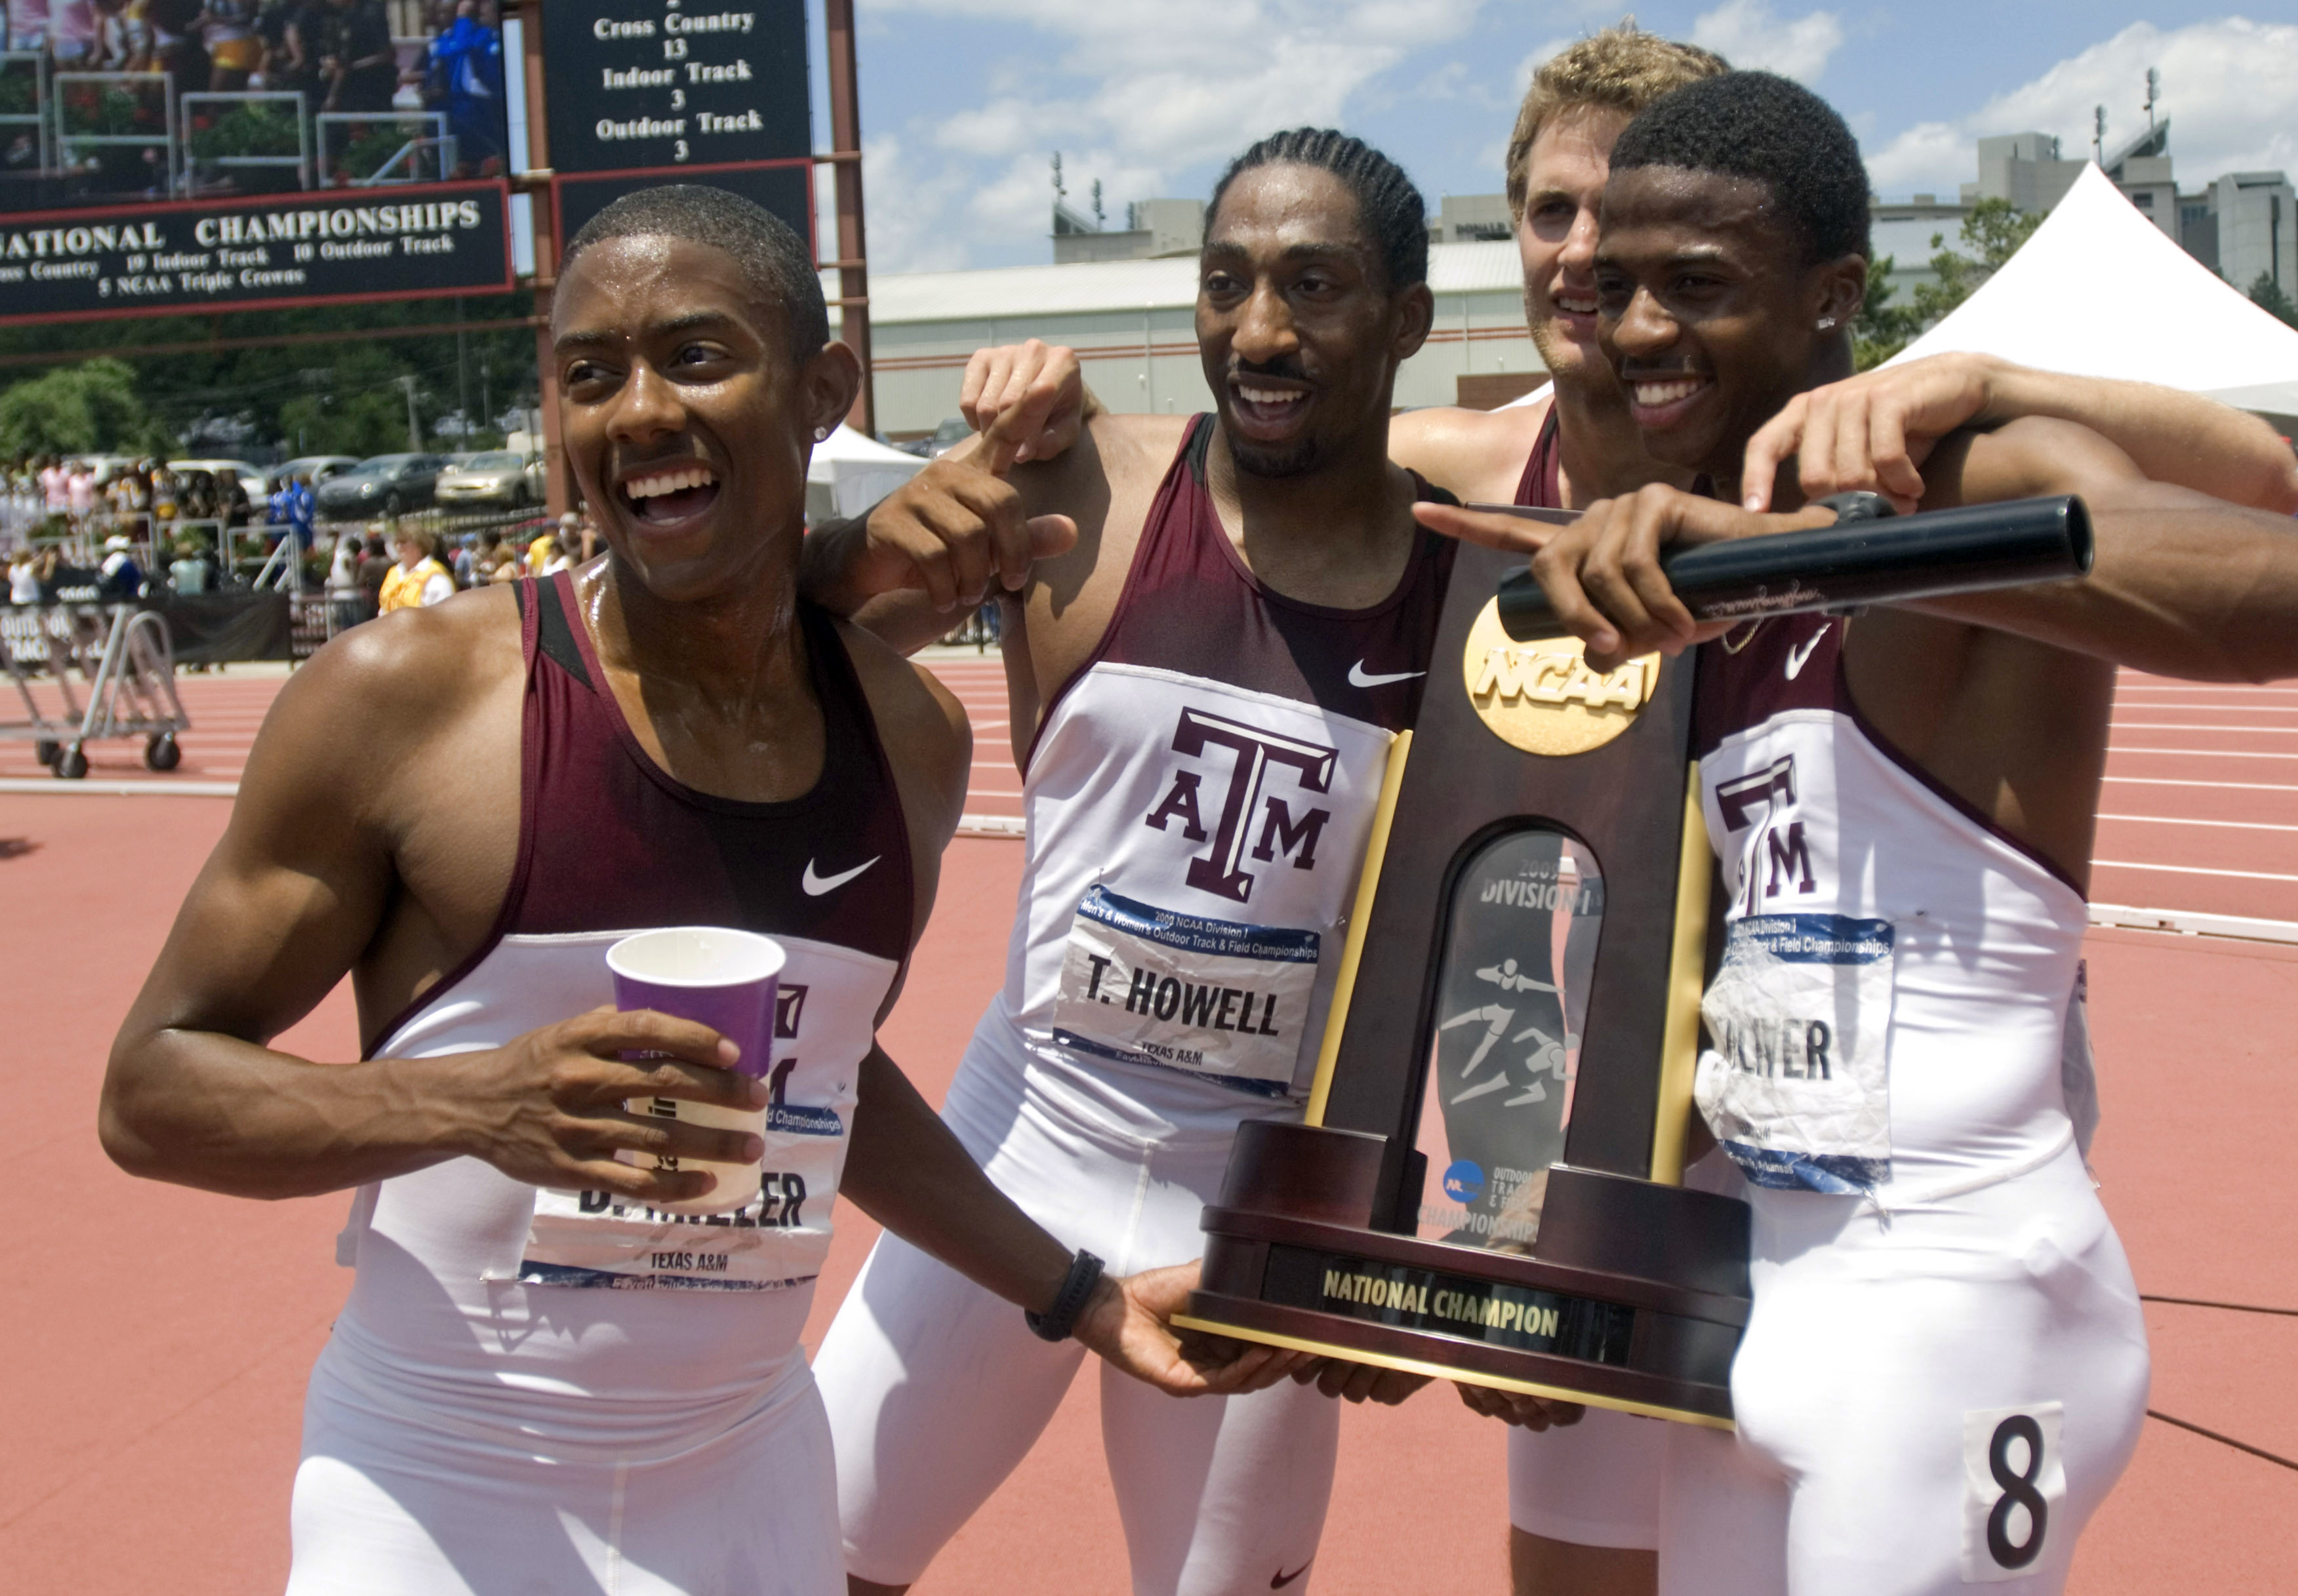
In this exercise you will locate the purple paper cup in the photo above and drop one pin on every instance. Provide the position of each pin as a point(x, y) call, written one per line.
point(727, 979)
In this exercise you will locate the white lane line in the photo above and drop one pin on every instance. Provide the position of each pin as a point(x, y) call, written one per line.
point(2201, 753)
point(975, 792)
point(2247, 875)
point(2187, 922)
point(2171, 820)
point(2191, 726)
point(2190, 782)
point(50, 784)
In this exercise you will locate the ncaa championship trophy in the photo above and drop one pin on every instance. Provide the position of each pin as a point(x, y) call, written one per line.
point(1487, 1186)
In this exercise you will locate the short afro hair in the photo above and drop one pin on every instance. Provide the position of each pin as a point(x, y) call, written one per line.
point(1768, 130)
point(1393, 214)
point(775, 262)
point(1621, 68)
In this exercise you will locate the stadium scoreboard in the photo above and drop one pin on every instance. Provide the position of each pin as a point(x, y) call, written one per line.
point(186, 188)
point(637, 85)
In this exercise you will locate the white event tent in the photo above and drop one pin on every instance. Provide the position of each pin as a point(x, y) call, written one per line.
point(2100, 291)
point(849, 473)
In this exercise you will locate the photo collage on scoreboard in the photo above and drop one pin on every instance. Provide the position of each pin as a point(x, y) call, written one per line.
point(107, 102)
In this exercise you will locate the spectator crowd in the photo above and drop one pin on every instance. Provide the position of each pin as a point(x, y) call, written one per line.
point(348, 56)
point(51, 508)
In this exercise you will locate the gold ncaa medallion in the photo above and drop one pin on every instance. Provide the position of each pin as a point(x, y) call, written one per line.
point(1541, 697)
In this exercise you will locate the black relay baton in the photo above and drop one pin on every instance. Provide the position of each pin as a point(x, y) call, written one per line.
point(1971, 549)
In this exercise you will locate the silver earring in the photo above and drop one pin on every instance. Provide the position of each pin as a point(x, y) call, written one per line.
point(820, 432)
point(1827, 324)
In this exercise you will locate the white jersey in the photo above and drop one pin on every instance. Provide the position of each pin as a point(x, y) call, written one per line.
point(1945, 1370)
point(583, 1326)
point(1198, 801)
point(1892, 1011)
point(461, 1291)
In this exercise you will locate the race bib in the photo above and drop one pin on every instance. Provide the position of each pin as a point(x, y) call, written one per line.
point(1797, 1088)
point(823, 1017)
point(1150, 986)
point(2015, 1484)
point(775, 1239)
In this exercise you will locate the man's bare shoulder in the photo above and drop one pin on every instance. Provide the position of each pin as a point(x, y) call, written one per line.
point(381, 691)
point(1112, 455)
point(1475, 455)
point(448, 648)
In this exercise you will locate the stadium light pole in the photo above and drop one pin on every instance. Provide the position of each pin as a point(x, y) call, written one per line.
point(557, 490)
point(845, 158)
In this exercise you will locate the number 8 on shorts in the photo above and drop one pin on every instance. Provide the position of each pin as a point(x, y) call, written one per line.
point(2014, 1484)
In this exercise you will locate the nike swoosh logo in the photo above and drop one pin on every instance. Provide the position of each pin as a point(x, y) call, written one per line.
point(1282, 1580)
point(816, 885)
point(1797, 656)
point(1357, 678)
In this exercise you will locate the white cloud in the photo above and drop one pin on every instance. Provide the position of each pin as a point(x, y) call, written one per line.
point(2230, 89)
point(1131, 94)
point(1745, 33)
point(1538, 58)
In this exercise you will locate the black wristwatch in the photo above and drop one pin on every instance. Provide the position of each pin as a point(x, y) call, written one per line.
point(1056, 1322)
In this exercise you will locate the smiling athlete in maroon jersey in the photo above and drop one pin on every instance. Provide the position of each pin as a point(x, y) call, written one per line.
point(541, 1380)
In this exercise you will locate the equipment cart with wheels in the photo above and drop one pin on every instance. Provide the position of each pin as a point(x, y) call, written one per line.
point(124, 656)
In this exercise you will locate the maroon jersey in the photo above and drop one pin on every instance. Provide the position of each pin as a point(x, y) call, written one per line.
point(608, 839)
point(1199, 797)
point(1542, 486)
point(610, 843)
point(1192, 605)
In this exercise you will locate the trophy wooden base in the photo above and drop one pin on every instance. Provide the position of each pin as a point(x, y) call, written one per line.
point(1633, 1296)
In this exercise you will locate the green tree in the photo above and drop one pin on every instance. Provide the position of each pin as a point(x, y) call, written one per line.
point(1883, 329)
point(337, 396)
point(2267, 294)
point(89, 408)
point(1995, 231)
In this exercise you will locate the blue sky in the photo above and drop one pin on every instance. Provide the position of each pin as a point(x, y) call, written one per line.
point(965, 100)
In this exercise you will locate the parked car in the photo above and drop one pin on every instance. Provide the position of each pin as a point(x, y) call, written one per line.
point(318, 468)
point(498, 477)
point(384, 486)
point(937, 443)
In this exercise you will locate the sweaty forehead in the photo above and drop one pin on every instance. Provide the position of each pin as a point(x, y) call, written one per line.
point(1659, 209)
point(621, 287)
point(1287, 206)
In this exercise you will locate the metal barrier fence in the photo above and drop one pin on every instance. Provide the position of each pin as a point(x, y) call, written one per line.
point(260, 554)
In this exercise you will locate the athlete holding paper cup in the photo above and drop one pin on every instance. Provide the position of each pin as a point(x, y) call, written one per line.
point(545, 1378)
point(727, 980)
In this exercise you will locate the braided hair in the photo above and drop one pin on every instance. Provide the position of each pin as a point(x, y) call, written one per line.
point(1391, 208)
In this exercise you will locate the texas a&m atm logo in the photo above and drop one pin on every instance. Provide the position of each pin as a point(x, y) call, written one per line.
point(1777, 857)
point(1253, 820)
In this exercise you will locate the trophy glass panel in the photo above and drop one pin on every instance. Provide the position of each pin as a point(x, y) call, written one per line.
point(1519, 946)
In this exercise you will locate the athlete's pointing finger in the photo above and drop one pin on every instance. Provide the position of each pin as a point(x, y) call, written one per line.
point(1510, 534)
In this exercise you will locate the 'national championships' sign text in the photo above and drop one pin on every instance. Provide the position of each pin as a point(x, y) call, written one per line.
point(238, 255)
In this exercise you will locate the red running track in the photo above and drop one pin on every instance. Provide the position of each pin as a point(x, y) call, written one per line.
point(160, 1359)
